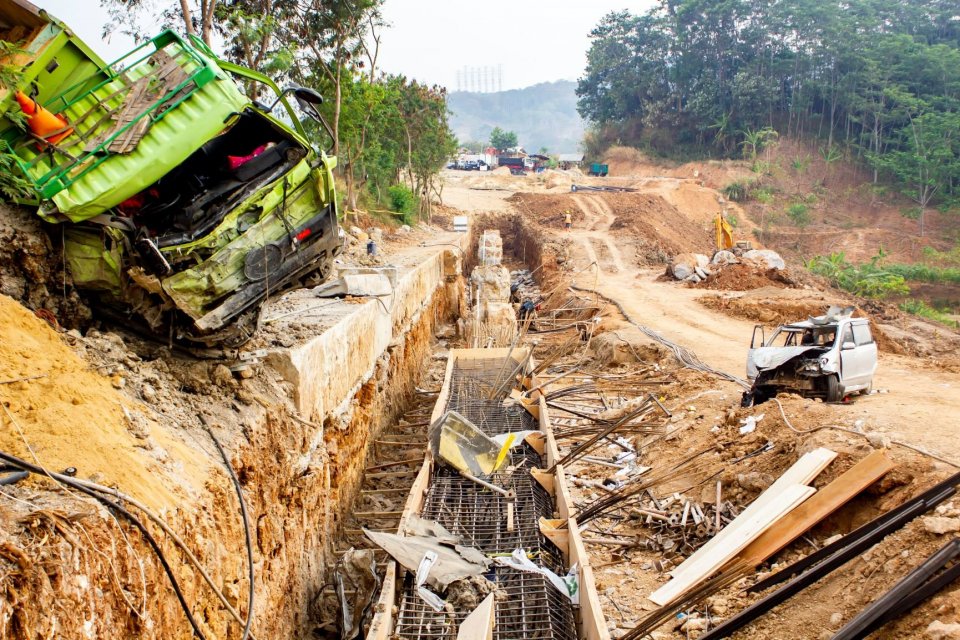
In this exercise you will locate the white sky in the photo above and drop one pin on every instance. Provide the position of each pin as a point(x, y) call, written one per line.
point(431, 40)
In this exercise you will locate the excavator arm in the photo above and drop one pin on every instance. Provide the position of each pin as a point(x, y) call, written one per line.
point(724, 232)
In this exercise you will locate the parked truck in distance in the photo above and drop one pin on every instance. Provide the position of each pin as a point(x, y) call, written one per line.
point(184, 204)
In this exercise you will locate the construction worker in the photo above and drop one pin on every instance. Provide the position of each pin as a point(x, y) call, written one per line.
point(567, 221)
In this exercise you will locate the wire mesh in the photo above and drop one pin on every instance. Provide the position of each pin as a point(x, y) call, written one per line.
point(530, 608)
point(478, 378)
point(479, 516)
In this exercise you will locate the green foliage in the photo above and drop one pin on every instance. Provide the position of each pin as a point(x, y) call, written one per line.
point(925, 273)
point(391, 129)
point(869, 280)
point(799, 214)
point(732, 220)
point(922, 309)
point(500, 139)
point(800, 165)
point(403, 201)
point(877, 81)
point(763, 195)
point(13, 184)
point(755, 140)
point(951, 257)
point(740, 190)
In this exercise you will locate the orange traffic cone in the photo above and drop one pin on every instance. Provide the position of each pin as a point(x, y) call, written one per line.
point(43, 123)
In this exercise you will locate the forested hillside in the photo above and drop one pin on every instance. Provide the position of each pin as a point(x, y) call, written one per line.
point(543, 116)
point(876, 81)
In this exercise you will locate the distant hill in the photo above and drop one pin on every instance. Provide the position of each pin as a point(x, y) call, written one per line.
point(544, 115)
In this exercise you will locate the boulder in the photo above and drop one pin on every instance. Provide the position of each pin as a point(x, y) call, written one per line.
point(771, 259)
point(702, 260)
point(683, 266)
point(723, 258)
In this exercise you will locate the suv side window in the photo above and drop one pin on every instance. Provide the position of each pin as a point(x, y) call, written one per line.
point(861, 334)
point(847, 335)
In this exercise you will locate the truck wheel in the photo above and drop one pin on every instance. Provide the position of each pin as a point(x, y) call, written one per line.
point(833, 389)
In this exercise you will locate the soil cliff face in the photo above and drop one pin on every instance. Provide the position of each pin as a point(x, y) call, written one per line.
point(128, 416)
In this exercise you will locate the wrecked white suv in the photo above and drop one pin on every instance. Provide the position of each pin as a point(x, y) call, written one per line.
point(828, 356)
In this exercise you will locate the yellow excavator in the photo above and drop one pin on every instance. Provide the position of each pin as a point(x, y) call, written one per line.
point(725, 240)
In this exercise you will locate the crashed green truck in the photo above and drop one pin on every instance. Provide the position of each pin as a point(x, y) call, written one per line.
point(183, 204)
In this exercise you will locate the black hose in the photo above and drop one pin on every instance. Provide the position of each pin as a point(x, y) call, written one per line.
point(246, 527)
point(70, 482)
point(13, 478)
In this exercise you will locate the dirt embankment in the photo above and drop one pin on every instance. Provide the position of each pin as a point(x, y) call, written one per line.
point(126, 413)
point(31, 267)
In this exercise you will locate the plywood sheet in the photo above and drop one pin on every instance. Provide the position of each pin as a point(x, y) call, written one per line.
point(801, 472)
point(752, 526)
point(826, 501)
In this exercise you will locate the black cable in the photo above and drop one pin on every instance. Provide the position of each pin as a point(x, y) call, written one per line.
point(70, 482)
point(13, 478)
point(246, 527)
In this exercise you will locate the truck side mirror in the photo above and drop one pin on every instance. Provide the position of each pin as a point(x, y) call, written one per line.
point(309, 100)
point(846, 346)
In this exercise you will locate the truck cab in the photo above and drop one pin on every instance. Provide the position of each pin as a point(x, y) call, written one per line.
point(829, 357)
point(185, 205)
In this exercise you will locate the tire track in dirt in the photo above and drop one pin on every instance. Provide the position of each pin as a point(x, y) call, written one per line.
point(599, 219)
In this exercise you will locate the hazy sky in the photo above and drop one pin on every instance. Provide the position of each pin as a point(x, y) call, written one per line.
point(431, 40)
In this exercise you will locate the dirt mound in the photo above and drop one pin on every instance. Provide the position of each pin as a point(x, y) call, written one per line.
point(743, 277)
point(547, 210)
point(660, 227)
point(72, 416)
point(768, 305)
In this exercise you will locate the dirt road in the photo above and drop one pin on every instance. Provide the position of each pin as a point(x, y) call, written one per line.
point(916, 403)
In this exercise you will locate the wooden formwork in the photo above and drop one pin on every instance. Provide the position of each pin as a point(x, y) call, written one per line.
point(564, 531)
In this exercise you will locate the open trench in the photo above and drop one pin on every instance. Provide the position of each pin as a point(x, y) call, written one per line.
point(327, 436)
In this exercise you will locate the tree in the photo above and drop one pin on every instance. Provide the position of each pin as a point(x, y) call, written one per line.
point(501, 140)
point(703, 76)
point(313, 42)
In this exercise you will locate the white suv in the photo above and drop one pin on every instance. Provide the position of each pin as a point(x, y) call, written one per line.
point(829, 356)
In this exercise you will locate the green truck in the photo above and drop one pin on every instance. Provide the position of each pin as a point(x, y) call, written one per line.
point(184, 204)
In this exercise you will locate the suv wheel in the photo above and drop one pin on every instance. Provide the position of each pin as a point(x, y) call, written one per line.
point(832, 384)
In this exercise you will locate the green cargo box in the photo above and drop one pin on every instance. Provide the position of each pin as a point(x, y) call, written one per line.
point(53, 59)
point(157, 106)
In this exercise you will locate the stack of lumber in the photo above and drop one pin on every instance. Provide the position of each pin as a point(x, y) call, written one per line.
point(783, 496)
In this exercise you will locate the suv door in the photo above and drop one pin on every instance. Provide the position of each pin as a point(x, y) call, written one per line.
point(858, 361)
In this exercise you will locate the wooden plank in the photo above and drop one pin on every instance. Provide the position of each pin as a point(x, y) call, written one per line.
point(801, 472)
point(553, 453)
point(556, 532)
point(479, 624)
point(826, 501)
point(593, 624)
point(694, 573)
point(545, 480)
point(381, 627)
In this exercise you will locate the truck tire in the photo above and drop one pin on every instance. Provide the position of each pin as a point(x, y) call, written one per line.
point(832, 385)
